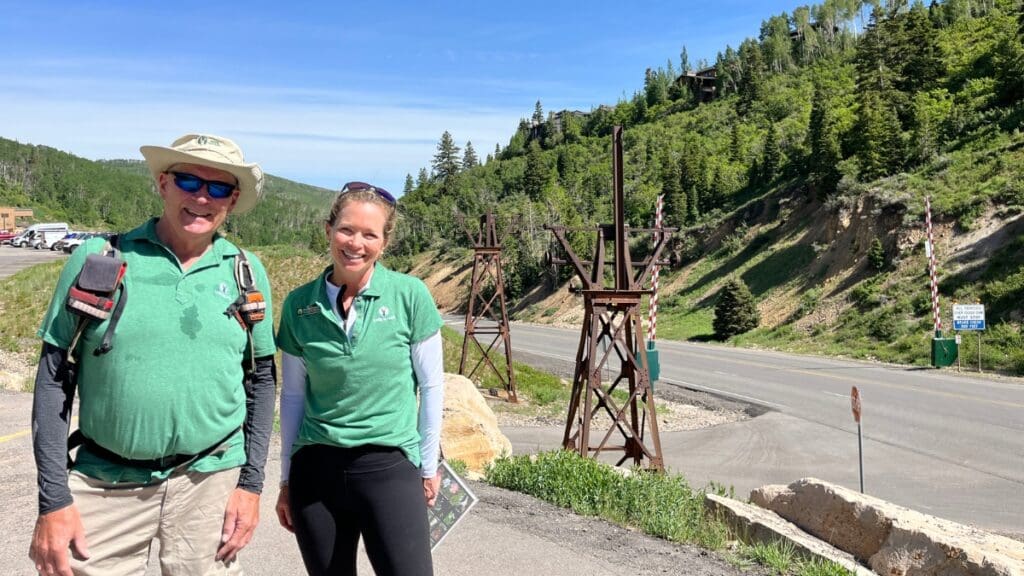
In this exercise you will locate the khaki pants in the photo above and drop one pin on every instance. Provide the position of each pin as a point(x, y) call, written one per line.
point(185, 514)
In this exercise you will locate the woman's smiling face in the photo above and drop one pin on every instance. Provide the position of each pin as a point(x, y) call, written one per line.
point(357, 241)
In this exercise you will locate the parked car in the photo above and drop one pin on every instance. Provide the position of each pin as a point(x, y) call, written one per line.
point(35, 231)
point(5, 236)
point(69, 245)
point(59, 244)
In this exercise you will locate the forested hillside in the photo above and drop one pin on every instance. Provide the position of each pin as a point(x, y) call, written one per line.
point(804, 176)
point(119, 194)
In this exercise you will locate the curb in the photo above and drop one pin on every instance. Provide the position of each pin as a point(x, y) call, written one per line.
point(754, 524)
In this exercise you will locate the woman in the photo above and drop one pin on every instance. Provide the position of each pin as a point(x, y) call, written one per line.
point(358, 456)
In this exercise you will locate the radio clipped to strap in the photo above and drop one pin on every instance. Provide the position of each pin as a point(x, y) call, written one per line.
point(92, 296)
point(250, 308)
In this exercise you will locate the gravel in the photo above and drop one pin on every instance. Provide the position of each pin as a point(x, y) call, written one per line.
point(634, 552)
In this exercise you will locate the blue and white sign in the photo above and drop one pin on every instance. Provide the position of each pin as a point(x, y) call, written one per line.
point(968, 316)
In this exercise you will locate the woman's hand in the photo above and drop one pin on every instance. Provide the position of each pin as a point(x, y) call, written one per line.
point(284, 510)
point(430, 488)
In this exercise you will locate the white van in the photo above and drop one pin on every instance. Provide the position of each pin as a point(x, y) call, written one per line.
point(48, 232)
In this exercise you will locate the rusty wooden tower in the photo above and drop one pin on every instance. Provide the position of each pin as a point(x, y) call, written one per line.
point(612, 317)
point(481, 318)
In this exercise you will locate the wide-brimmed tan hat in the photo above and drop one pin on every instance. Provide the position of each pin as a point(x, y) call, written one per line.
point(215, 152)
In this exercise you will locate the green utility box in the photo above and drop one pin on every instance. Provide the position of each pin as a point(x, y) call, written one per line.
point(653, 364)
point(944, 351)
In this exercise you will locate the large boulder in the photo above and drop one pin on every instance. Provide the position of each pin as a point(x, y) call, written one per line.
point(470, 431)
point(893, 540)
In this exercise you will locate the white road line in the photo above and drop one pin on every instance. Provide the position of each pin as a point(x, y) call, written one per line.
point(834, 394)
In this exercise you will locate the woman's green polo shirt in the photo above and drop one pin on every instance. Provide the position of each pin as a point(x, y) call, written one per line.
point(172, 384)
point(360, 390)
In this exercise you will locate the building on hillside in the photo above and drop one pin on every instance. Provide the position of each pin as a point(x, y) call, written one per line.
point(9, 217)
point(701, 82)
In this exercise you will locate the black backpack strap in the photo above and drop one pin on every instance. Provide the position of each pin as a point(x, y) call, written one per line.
point(108, 335)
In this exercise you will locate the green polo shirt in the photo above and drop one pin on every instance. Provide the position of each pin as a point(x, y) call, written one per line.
point(360, 390)
point(172, 384)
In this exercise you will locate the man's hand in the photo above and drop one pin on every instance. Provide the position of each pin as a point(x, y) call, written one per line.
point(431, 486)
point(241, 516)
point(284, 510)
point(54, 532)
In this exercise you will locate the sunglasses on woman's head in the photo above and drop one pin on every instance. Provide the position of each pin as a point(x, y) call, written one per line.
point(363, 186)
point(191, 183)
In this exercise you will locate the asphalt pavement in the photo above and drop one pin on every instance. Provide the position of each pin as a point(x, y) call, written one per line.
point(506, 534)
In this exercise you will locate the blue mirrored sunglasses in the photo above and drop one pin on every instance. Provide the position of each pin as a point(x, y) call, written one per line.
point(363, 186)
point(191, 183)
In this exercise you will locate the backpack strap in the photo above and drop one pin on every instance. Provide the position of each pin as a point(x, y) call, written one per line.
point(249, 308)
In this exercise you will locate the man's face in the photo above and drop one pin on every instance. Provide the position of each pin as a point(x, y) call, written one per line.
point(196, 213)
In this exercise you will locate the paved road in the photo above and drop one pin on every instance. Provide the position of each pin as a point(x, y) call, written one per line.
point(505, 535)
point(14, 259)
point(941, 443)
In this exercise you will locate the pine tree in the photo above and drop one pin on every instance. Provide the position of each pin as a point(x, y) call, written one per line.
point(469, 159)
point(538, 114)
point(879, 138)
point(535, 179)
point(446, 162)
point(876, 255)
point(823, 143)
point(675, 198)
point(925, 65)
point(771, 155)
point(735, 312)
point(753, 72)
point(735, 144)
point(409, 185)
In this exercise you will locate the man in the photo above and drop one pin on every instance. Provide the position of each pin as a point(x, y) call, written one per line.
point(176, 400)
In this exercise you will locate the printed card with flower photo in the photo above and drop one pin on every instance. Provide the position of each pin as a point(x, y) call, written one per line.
point(454, 500)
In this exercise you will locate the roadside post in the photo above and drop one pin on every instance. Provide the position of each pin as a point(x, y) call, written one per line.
point(958, 343)
point(855, 405)
point(653, 362)
point(944, 350)
point(970, 317)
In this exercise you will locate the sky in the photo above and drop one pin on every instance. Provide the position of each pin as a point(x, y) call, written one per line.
point(328, 92)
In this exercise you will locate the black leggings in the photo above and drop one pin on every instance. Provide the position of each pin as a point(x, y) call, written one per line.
point(336, 494)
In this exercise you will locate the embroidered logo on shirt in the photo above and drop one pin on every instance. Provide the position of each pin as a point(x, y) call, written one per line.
point(384, 314)
point(222, 291)
point(308, 310)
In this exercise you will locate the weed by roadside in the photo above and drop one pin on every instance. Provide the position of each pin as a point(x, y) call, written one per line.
point(662, 505)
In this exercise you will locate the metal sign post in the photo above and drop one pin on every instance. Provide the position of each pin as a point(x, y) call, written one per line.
point(970, 317)
point(855, 405)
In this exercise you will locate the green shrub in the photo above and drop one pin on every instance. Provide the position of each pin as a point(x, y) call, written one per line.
point(736, 312)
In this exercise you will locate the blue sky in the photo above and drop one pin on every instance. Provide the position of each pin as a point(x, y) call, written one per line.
point(326, 92)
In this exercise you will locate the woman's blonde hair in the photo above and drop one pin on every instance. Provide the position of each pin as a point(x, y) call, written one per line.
point(369, 197)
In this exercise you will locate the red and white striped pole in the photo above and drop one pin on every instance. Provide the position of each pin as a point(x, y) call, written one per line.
point(652, 311)
point(930, 252)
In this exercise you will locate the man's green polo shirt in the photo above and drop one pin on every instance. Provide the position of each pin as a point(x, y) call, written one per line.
point(360, 390)
point(172, 384)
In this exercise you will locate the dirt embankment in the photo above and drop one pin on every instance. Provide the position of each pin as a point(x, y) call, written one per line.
point(825, 247)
